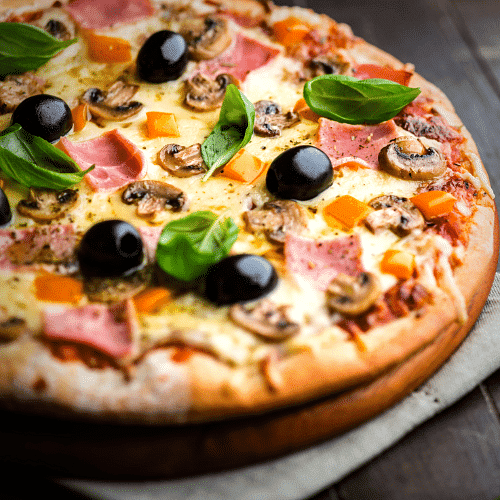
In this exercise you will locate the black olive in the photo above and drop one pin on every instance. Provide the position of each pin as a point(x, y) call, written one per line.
point(163, 57)
point(5, 212)
point(110, 248)
point(300, 173)
point(240, 278)
point(46, 116)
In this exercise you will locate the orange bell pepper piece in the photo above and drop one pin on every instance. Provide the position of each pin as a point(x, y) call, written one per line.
point(305, 111)
point(243, 167)
point(161, 124)
point(346, 210)
point(80, 116)
point(398, 263)
point(290, 31)
point(434, 203)
point(152, 300)
point(55, 288)
point(107, 49)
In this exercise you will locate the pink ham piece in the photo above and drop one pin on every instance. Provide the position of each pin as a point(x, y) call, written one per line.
point(117, 161)
point(243, 56)
point(365, 71)
point(150, 236)
point(109, 329)
point(345, 143)
point(99, 14)
point(318, 262)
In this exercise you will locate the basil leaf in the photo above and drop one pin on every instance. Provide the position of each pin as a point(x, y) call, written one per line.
point(24, 47)
point(347, 99)
point(231, 133)
point(189, 246)
point(34, 162)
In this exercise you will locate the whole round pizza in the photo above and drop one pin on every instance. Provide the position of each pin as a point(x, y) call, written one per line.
point(216, 209)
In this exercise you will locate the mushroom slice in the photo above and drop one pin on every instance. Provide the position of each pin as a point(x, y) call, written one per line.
point(353, 295)
point(116, 104)
point(47, 204)
point(276, 218)
point(182, 161)
point(154, 196)
point(204, 94)
point(265, 319)
point(335, 64)
point(270, 120)
point(11, 328)
point(396, 213)
point(408, 158)
point(207, 38)
point(15, 88)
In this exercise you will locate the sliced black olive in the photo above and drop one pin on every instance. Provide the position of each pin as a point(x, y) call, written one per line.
point(5, 212)
point(44, 115)
point(240, 278)
point(110, 248)
point(163, 57)
point(300, 173)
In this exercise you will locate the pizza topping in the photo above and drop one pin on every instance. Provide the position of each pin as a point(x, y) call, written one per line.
point(299, 173)
point(16, 88)
point(114, 104)
point(265, 319)
point(395, 213)
point(57, 29)
point(240, 278)
point(409, 159)
point(11, 327)
point(117, 160)
point(399, 263)
point(207, 38)
point(163, 57)
point(45, 116)
point(56, 288)
point(270, 119)
point(5, 211)
point(334, 64)
point(434, 203)
point(45, 205)
point(432, 127)
point(182, 161)
point(276, 219)
point(154, 196)
point(110, 248)
point(365, 71)
point(346, 211)
point(353, 295)
point(204, 94)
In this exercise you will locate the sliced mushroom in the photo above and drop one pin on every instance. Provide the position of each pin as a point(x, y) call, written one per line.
point(182, 161)
point(57, 23)
point(265, 319)
point(47, 204)
point(57, 29)
point(115, 104)
point(207, 38)
point(11, 328)
point(396, 213)
point(270, 120)
point(353, 295)
point(154, 196)
point(408, 158)
point(335, 64)
point(15, 88)
point(276, 218)
point(204, 94)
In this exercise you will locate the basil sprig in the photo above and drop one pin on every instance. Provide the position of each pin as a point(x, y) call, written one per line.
point(346, 99)
point(24, 47)
point(231, 133)
point(189, 246)
point(34, 162)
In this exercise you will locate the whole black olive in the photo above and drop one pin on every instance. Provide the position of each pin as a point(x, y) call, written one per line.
point(240, 278)
point(299, 173)
point(110, 248)
point(163, 57)
point(5, 212)
point(46, 116)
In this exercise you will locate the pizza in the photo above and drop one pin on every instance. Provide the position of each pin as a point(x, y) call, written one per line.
point(216, 209)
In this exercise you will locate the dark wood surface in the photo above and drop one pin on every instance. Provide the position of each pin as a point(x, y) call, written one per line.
point(456, 455)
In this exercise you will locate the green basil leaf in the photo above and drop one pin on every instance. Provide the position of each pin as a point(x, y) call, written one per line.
point(189, 246)
point(34, 162)
point(350, 100)
point(232, 132)
point(24, 47)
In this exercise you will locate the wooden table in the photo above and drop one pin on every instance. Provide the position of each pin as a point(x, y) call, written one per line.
point(456, 45)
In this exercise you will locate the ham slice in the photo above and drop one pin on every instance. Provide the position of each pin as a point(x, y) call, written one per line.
point(365, 71)
point(109, 329)
point(117, 161)
point(98, 14)
point(360, 144)
point(243, 56)
point(318, 262)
